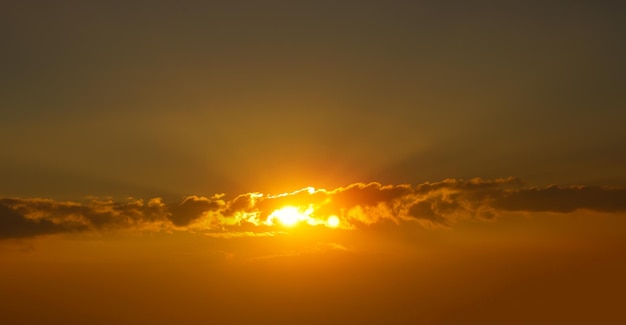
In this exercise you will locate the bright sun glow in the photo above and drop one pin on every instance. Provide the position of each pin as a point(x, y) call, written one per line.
point(333, 221)
point(289, 216)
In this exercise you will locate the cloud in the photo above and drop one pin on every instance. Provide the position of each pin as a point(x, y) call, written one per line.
point(192, 208)
point(15, 225)
point(34, 216)
point(357, 205)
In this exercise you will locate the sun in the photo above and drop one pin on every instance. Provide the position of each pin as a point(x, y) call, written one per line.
point(333, 221)
point(288, 216)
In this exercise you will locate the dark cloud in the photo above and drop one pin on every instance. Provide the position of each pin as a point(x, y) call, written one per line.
point(242, 203)
point(424, 210)
point(32, 217)
point(370, 194)
point(192, 208)
point(430, 204)
point(15, 225)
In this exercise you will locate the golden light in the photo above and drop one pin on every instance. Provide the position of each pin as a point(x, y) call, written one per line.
point(333, 221)
point(288, 216)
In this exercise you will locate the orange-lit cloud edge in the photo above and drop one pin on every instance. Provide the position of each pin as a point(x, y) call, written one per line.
point(438, 204)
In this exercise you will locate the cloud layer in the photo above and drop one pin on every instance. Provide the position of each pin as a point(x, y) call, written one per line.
point(356, 205)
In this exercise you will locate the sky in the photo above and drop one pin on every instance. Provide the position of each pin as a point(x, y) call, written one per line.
point(280, 162)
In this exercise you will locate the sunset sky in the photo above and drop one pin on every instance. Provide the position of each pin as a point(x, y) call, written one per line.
point(312, 162)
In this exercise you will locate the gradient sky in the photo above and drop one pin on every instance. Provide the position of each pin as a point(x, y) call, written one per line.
point(473, 151)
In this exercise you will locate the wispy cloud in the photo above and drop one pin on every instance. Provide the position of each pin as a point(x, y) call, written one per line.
point(360, 204)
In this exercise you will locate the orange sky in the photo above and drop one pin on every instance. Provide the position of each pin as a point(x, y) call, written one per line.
point(495, 251)
point(312, 162)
